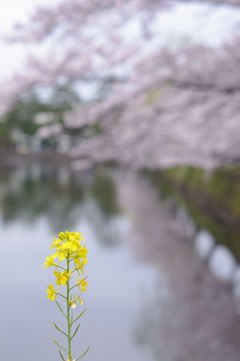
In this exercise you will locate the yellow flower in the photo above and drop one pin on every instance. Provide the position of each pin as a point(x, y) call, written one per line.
point(82, 253)
point(56, 243)
point(62, 278)
point(68, 241)
point(71, 246)
point(83, 284)
point(79, 265)
point(76, 235)
point(62, 236)
point(72, 304)
point(61, 255)
point(52, 294)
point(50, 261)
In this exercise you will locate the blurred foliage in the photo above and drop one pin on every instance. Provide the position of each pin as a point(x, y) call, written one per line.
point(212, 200)
point(21, 116)
point(104, 191)
point(222, 186)
point(29, 192)
point(44, 188)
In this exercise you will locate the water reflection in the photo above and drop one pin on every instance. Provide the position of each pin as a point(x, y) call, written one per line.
point(193, 315)
point(204, 244)
point(222, 263)
point(36, 203)
point(151, 297)
point(61, 196)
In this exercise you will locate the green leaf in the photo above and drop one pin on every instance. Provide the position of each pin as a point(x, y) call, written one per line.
point(59, 329)
point(83, 353)
point(60, 308)
point(79, 315)
point(58, 345)
point(75, 331)
point(61, 355)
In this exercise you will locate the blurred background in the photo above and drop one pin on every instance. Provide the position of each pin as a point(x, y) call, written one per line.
point(120, 119)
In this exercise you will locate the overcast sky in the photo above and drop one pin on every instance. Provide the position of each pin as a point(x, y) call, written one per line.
point(201, 22)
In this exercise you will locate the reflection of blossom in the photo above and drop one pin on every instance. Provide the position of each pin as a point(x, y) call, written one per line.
point(195, 317)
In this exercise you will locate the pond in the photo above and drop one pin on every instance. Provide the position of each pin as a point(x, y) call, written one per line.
point(151, 295)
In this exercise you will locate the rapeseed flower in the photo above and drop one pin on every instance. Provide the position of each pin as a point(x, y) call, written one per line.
point(72, 304)
point(82, 253)
point(49, 262)
point(79, 266)
point(62, 278)
point(51, 293)
point(69, 250)
point(83, 284)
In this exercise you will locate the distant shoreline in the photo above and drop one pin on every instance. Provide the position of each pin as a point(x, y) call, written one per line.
point(11, 158)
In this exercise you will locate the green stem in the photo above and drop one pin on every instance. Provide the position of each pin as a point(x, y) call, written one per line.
point(73, 287)
point(61, 267)
point(59, 294)
point(68, 313)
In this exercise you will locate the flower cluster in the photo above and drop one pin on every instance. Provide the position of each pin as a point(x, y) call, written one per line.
point(68, 248)
point(69, 256)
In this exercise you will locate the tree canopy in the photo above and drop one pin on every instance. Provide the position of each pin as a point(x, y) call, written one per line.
point(156, 106)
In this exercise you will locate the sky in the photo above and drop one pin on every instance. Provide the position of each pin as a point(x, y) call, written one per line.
point(11, 12)
point(197, 21)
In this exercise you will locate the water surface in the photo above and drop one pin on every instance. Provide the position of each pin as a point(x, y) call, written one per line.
point(160, 288)
point(35, 204)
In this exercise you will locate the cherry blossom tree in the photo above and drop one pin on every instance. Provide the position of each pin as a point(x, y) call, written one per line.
point(156, 107)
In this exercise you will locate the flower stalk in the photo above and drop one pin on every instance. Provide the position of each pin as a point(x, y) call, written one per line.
point(68, 315)
point(69, 250)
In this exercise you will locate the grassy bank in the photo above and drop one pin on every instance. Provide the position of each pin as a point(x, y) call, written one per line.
point(211, 199)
